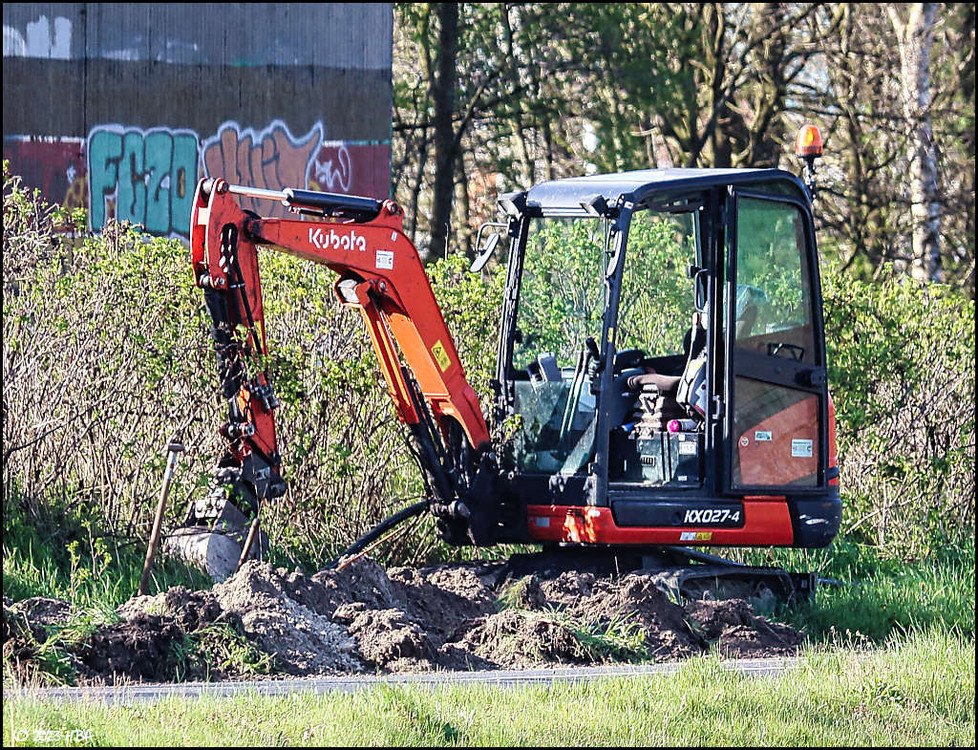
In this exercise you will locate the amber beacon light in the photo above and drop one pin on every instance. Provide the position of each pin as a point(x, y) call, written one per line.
point(809, 142)
point(808, 147)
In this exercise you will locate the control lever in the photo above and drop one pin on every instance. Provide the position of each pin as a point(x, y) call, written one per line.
point(593, 353)
point(594, 363)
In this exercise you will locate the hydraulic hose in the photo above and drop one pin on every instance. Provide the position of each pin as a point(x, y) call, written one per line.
point(403, 515)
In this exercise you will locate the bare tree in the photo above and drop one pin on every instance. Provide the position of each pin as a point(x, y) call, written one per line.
point(539, 91)
point(443, 95)
point(915, 38)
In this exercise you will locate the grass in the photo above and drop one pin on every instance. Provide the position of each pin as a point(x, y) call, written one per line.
point(916, 596)
point(61, 555)
point(874, 597)
point(919, 689)
point(620, 639)
point(217, 648)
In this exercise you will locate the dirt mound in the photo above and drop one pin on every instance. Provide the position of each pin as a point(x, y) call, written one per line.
point(515, 639)
point(738, 632)
point(138, 648)
point(300, 639)
point(34, 617)
point(190, 610)
point(635, 600)
point(26, 628)
point(363, 618)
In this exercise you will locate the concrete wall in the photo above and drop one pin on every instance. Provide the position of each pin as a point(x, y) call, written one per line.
point(121, 107)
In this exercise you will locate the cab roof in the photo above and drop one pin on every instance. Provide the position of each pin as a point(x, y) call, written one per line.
point(567, 195)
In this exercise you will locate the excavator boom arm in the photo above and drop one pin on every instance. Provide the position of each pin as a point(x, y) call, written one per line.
point(380, 274)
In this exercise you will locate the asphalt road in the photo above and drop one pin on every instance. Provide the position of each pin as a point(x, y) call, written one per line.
point(128, 694)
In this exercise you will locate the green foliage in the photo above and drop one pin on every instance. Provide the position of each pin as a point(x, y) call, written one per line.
point(917, 691)
point(869, 595)
point(214, 650)
point(105, 357)
point(656, 300)
point(640, 85)
point(901, 369)
point(906, 597)
point(562, 296)
point(471, 305)
point(62, 554)
point(562, 292)
point(618, 639)
point(769, 238)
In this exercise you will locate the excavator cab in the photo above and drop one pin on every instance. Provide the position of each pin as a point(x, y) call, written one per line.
point(661, 369)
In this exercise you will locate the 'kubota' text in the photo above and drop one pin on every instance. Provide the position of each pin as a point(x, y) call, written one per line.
point(332, 241)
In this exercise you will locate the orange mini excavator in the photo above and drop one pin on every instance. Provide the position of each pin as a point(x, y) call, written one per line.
point(661, 364)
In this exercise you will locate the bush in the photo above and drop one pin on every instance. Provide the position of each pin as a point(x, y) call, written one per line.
point(106, 354)
point(104, 358)
point(902, 371)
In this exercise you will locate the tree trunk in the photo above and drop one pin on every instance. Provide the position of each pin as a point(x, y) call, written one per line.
point(444, 100)
point(915, 37)
point(465, 240)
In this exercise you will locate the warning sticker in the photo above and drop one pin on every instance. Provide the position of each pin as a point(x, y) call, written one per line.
point(695, 536)
point(801, 448)
point(441, 356)
point(763, 436)
point(384, 259)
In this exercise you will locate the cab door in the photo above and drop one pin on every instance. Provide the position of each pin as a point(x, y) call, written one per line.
point(776, 396)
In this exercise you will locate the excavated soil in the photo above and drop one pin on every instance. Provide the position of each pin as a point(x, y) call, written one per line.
point(363, 619)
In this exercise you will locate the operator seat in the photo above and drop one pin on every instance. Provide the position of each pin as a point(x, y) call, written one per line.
point(749, 301)
point(658, 398)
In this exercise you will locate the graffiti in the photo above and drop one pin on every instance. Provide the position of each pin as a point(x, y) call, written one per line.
point(335, 179)
point(43, 39)
point(77, 193)
point(49, 164)
point(146, 177)
point(76, 196)
point(272, 159)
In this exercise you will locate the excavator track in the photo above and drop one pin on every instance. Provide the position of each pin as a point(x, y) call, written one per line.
point(682, 573)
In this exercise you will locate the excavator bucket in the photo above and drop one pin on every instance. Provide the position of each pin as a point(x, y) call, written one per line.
point(216, 536)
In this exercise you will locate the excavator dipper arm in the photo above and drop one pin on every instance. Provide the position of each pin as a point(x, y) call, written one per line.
point(380, 274)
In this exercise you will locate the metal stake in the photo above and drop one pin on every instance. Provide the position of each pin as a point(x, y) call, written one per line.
point(175, 448)
point(249, 542)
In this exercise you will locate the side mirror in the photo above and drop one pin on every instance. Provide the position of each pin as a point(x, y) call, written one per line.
point(617, 241)
point(487, 248)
